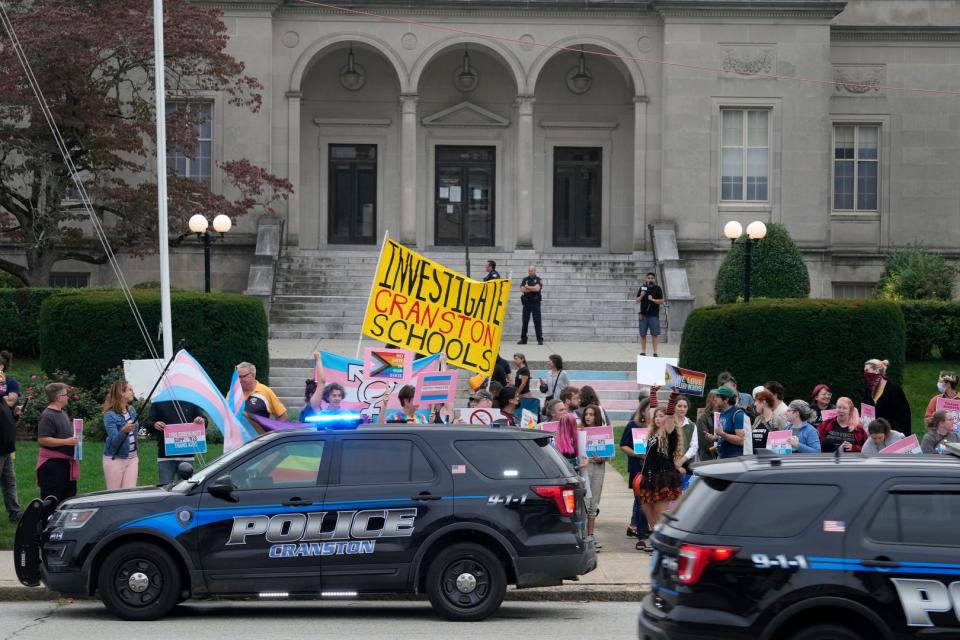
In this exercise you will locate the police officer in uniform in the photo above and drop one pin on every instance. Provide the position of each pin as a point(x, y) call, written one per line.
point(531, 286)
point(492, 273)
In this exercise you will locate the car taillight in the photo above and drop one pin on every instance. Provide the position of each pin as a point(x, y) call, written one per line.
point(694, 559)
point(562, 496)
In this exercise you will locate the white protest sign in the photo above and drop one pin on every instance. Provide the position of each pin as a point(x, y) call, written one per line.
point(653, 371)
point(142, 375)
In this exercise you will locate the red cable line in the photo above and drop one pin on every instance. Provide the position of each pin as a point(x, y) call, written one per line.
point(640, 60)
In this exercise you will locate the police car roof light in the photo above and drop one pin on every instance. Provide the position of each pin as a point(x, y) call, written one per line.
point(335, 420)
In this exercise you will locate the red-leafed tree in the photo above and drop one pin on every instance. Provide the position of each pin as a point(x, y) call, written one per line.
point(93, 61)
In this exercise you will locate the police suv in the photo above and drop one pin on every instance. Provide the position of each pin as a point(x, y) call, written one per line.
point(457, 513)
point(810, 548)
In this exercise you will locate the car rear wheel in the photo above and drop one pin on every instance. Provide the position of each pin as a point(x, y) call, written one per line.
point(139, 582)
point(466, 582)
point(826, 632)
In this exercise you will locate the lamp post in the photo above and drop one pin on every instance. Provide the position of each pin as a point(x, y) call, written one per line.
point(756, 231)
point(200, 226)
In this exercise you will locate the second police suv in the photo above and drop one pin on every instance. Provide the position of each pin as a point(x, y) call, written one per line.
point(457, 513)
point(811, 548)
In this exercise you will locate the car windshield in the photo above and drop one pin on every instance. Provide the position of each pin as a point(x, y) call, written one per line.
point(217, 464)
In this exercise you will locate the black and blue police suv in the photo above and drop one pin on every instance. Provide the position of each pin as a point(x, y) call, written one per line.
point(802, 547)
point(457, 513)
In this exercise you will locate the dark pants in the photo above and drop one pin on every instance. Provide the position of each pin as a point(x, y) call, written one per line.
point(167, 470)
point(54, 480)
point(8, 482)
point(532, 308)
point(637, 519)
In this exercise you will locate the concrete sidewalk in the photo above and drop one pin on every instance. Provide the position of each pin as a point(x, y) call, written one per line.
point(622, 573)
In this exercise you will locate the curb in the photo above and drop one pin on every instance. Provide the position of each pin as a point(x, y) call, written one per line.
point(591, 593)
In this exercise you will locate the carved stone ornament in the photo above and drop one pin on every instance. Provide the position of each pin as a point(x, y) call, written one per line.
point(858, 80)
point(749, 61)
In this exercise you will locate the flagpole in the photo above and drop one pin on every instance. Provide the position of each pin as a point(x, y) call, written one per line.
point(386, 235)
point(166, 319)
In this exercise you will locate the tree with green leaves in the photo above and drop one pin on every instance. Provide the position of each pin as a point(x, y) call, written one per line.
point(778, 269)
point(916, 273)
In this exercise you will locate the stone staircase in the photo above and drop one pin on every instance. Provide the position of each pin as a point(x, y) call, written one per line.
point(587, 297)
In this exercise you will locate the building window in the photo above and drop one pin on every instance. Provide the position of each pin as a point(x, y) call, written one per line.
point(70, 280)
point(853, 290)
point(199, 165)
point(745, 152)
point(856, 161)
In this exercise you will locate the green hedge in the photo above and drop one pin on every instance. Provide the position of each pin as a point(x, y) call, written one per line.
point(89, 332)
point(931, 324)
point(20, 319)
point(800, 343)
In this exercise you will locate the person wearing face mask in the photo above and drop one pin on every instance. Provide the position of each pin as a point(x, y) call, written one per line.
point(946, 388)
point(887, 396)
point(881, 437)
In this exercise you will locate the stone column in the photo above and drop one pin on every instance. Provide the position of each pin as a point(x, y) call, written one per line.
point(293, 166)
point(640, 168)
point(408, 168)
point(525, 171)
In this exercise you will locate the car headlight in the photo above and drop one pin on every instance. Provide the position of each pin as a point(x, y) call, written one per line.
point(71, 518)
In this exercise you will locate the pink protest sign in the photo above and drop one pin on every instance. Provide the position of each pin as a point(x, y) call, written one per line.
point(952, 407)
point(78, 434)
point(779, 441)
point(868, 413)
point(640, 440)
point(600, 442)
point(909, 445)
point(828, 414)
point(185, 439)
point(550, 427)
point(435, 387)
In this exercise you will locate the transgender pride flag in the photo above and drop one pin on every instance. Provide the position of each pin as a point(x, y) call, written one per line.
point(361, 393)
point(186, 381)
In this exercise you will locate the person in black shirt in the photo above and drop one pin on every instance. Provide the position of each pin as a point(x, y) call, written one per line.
point(531, 288)
point(160, 415)
point(522, 379)
point(501, 369)
point(649, 297)
point(491, 271)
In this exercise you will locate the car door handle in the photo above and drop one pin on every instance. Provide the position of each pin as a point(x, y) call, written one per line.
point(880, 562)
point(296, 502)
point(426, 496)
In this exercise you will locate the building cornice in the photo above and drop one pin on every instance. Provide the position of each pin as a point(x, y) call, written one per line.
point(847, 33)
point(807, 9)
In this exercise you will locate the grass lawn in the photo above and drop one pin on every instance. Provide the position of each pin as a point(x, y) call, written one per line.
point(91, 474)
point(23, 368)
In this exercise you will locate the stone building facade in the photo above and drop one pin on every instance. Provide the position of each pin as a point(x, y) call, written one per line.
point(838, 119)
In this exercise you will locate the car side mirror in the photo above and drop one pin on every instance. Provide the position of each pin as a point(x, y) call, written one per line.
point(185, 470)
point(222, 488)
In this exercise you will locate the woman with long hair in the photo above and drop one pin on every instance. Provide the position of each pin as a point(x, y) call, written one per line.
point(844, 432)
point(887, 396)
point(689, 431)
point(881, 437)
point(596, 467)
point(659, 481)
point(522, 377)
point(121, 465)
point(566, 440)
point(638, 524)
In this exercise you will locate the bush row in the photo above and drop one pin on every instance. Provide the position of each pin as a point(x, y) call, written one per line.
point(20, 319)
point(798, 342)
point(932, 325)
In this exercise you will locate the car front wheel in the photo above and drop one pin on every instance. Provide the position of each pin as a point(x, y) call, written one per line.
point(139, 582)
point(826, 632)
point(466, 582)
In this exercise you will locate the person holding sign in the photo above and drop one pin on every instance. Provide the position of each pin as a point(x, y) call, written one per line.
point(947, 388)
point(689, 431)
point(767, 421)
point(659, 481)
point(887, 396)
point(121, 465)
point(160, 415)
point(821, 402)
point(596, 468)
point(941, 432)
point(881, 437)
point(635, 452)
point(805, 438)
point(57, 468)
point(844, 432)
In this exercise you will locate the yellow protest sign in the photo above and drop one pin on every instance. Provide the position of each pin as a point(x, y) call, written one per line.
point(421, 305)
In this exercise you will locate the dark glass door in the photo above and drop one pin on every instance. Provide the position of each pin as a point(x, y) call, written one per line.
point(352, 211)
point(577, 196)
point(466, 179)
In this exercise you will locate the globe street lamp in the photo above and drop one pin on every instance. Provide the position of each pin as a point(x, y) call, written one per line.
point(756, 231)
point(199, 225)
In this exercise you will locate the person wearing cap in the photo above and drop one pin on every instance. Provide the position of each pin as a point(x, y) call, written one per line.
point(805, 438)
point(947, 388)
point(820, 402)
point(729, 433)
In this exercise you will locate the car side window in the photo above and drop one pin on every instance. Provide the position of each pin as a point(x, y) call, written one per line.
point(918, 518)
point(387, 461)
point(286, 465)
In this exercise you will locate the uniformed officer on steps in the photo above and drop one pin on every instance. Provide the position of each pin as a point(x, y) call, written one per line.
point(531, 286)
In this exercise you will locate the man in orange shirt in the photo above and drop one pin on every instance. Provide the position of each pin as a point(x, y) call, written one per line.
point(260, 399)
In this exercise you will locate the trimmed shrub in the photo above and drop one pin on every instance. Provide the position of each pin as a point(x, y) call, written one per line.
point(799, 343)
point(90, 332)
point(19, 319)
point(914, 273)
point(777, 269)
point(932, 325)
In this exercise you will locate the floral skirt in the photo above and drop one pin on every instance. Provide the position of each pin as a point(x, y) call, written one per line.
point(657, 486)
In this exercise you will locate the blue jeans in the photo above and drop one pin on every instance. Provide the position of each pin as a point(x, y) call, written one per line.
point(167, 470)
point(638, 520)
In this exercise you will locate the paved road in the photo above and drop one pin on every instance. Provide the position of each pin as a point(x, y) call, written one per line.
point(282, 621)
